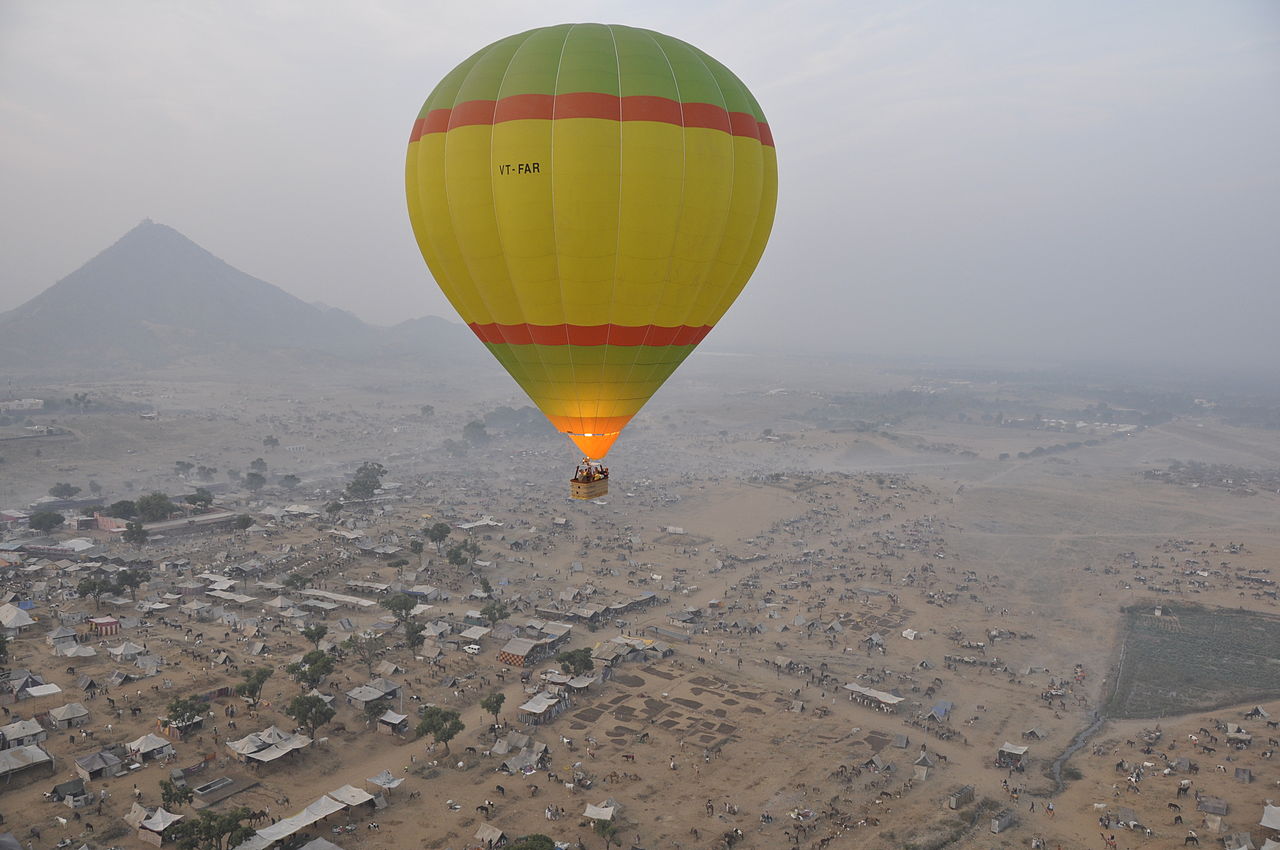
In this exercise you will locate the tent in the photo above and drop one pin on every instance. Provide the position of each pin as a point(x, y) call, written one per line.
point(490, 836)
point(605, 810)
point(1270, 817)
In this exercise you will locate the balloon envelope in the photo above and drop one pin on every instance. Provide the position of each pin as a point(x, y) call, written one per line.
point(591, 199)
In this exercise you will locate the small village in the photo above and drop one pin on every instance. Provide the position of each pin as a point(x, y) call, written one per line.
point(466, 668)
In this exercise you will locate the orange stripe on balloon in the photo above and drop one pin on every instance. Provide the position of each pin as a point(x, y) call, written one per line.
point(624, 335)
point(639, 107)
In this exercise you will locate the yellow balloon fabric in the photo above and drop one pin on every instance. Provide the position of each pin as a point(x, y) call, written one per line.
point(591, 199)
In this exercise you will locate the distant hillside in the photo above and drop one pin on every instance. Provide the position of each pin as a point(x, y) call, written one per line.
point(156, 297)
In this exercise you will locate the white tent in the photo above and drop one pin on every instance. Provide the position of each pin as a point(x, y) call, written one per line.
point(1270, 817)
point(350, 796)
point(160, 820)
point(386, 780)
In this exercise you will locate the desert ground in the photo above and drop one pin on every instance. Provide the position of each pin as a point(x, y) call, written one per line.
point(776, 540)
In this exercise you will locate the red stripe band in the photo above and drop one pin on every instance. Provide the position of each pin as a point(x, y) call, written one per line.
point(626, 335)
point(638, 107)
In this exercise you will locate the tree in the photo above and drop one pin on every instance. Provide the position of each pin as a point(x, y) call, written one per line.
point(95, 488)
point(4, 648)
point(173, 797)
point(576, 661)
point(535, 841)
point(202, 498)
point(366, 481)
point(182, 467)
point(493, 704)
point(96, 587)
point(464, 554)
point(211, 831)
point(251, 687)
point(315, 633)
point(90, 510)
point(155, 507)
point(46, 521)
point(309, 712)
point(474, 433)
point(494, 611)
point(255, 481)
point(413, 634)
point(206, 473)
point(271, 441)
point(332, 509)
point(400, 605)
point(63, 490)
point(437, 534)
point(243, 521)
point(296, 581)
point(311, 670)
point(258, 465)
point(416, 547)
point(427, 411)
point(123, 509)
point(132, 579)
point(442, 724)
point(290, 481)
point(181, 711)
point(367, 649)
point(135, 534)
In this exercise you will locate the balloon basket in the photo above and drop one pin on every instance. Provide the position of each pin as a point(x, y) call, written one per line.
point(588, 489)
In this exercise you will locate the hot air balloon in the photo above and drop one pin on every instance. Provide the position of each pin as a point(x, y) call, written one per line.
point(591, 199)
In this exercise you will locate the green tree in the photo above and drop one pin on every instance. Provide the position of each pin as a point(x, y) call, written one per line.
point(315, 633)
point(255, 481)
point(366, 648)
point(296, 581)
point(474, 433)
point(173, 796)
point(123, 509)
point(437, 534)
point(90, 510)
point(309, 712)
point(95, 488)
point(270, 441)
point(494, 611)
point(413, 634)
point(46, 521)
point(427, 411)
point(95, 587)
point(332, 509)
point(366, 481)
point(258, 465)
point(155, 507)
point(416, 547)
point(181, 711)
point(311, 670)
point(535, 841)
point(132, 579)
point(206, 473)
point(63, 490)
point(4, 648)
point(576, 661)
point(493, 704)
point(202, 498)
point(290, 481)
point(401, 606)
point(442, 724)
point(242, 522)
point(135, 534)
point(254, 680)
point(182, 467)
point(464, 554)
point(211, 831)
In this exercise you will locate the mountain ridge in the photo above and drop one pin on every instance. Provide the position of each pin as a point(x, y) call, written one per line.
point(155, 297)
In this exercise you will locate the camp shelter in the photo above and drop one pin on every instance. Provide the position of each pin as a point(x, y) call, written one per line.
point(1010, 754)
point(150, 746)
point(68, 716)
point(391, 723)
point(100, 765)
point(22, 733)
point(490, 836)
point(1212, 805)
point(21, 762)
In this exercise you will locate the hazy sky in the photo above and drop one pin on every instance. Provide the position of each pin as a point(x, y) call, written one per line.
point(1000, 179)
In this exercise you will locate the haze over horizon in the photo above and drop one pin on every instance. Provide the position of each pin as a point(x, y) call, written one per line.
point(1023, 182)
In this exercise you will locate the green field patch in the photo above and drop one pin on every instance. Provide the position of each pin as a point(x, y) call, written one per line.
point(1194, 658)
